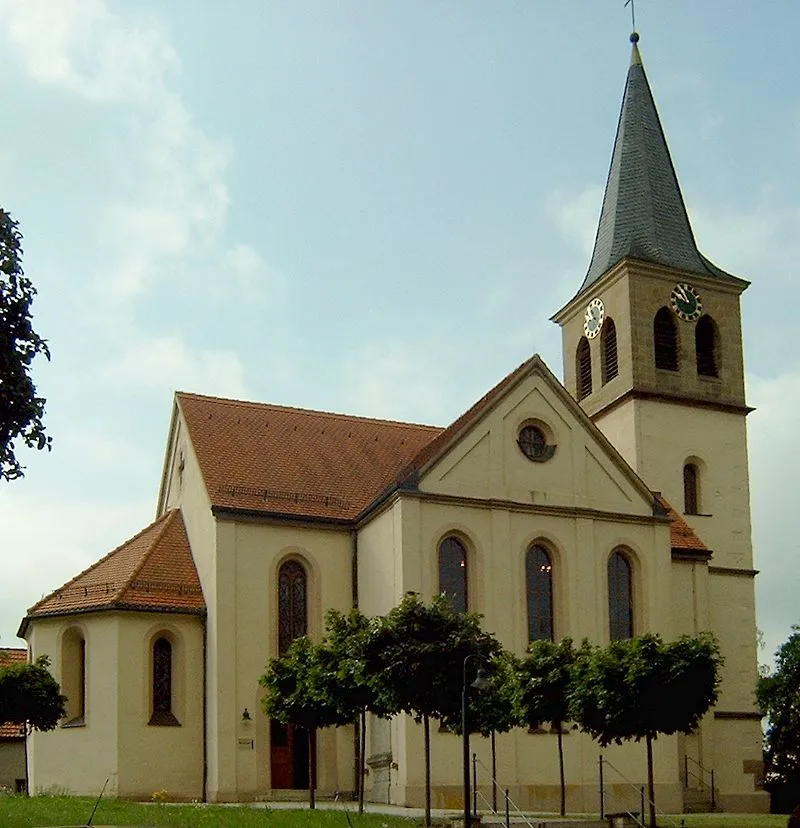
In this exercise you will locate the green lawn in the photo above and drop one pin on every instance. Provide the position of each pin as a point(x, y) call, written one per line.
point(38, 811)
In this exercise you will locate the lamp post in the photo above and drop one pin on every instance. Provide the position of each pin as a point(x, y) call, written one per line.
point(479, 682)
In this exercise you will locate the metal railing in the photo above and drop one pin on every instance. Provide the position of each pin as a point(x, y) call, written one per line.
point(639, 818)
point(698, 773)
point(508, 803)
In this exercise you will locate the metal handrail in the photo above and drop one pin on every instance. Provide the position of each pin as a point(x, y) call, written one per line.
point(642, 797)
point(509, 802)
point(701, 777)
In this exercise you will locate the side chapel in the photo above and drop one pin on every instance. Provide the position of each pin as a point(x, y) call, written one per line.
point(610, 505)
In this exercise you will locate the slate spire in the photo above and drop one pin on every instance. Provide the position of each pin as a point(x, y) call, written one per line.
point(643, 215)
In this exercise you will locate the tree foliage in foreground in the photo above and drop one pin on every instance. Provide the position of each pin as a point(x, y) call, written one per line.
point(778, 696)
point(30, 695)
point(545, 686)
point(21, 411)
point(418, 651)
point(642, 687)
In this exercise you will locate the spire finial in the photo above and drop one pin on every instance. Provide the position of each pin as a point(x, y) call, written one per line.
point(634, 33)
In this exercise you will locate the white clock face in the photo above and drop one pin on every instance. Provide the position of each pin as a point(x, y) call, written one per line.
point(593, 318)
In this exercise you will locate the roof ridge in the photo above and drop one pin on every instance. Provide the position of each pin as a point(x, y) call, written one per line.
point(102, 560)
point(305, 411)
point(170, 516)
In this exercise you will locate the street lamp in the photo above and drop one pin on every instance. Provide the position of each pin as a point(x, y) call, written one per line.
point(478, 684)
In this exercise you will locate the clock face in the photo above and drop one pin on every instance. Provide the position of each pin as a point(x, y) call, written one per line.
point(685, 301)
point(593, 318)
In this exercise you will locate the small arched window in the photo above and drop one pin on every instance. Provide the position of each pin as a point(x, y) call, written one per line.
point(691, 489)
point(539, 583)
point(705, 343)
point(583, 368)
point(73, 677)
point(665, 340)
point(162, 684)
point(453, 573)
point(292, 604)
point(608, 351)
point(620, 597)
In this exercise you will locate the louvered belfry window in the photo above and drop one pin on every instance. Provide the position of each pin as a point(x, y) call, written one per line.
point(539, 582)
point(583, 368)
point(292, 604)
point(705, 341)
point(665, 340)
point(453, 573)
point(608, 352)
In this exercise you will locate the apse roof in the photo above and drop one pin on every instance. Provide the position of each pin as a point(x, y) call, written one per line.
point(154, 570)
point(644, 216)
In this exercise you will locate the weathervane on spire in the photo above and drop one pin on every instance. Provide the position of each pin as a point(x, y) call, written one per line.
point(634, 33)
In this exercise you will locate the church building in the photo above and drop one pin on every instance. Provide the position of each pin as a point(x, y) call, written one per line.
point(609, 505)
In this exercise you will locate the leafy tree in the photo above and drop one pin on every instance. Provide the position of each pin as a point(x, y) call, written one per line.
point(343, 649)
point(545, 684)
point(641, 687)
point(418, 653)
point(21, 411)
point(778, 695)
point(30, 695)
point(302, 691)
point(494, 709)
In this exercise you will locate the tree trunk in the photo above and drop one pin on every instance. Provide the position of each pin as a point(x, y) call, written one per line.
point(312, 768)
point(427, 726)
point(561, 769)
point(651, 794)
point(494, 773)
point(362, 757)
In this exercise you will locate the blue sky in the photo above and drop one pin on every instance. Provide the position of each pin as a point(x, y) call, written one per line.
point(368, 206)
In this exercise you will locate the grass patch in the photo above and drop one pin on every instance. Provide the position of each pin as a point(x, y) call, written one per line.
point(38, 811)
point(21, 812)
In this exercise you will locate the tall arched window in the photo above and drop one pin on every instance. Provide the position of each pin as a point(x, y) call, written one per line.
point(73, 676)
point(292, 604)
point(705, 344)
point(583, 368)
point(162, 684)
point(691, 489)
point(665, 340)
point(453, 573)
point(608, 351)
point(539, 583)
point(620, 597)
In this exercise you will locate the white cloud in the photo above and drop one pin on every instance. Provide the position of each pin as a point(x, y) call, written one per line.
point(577, 216)
point(774, 443)
point(257, 282)
point(168, 363)
point(82, 47)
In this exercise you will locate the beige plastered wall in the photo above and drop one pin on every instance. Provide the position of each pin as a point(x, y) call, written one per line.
point(245, 637)
point(116, 742)
point(12, 762)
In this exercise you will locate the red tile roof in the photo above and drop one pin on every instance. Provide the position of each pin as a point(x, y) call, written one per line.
point(292, 461)
point(681, 535)
point(8, 656)
point(154, 570)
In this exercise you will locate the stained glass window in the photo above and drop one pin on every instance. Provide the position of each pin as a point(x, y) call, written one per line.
point(292, 604)
point(539, 581)
point(453, 573)
point(162, 676)
point(620, 597)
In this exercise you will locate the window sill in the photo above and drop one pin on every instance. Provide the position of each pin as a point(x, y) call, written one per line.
point(163, 718)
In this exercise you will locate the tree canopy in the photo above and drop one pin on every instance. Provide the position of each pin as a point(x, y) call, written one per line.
point(21, 410)
point(778, 695)
point(30, 695)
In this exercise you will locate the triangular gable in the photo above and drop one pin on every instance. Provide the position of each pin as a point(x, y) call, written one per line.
point(154, 570)
point(477, 456)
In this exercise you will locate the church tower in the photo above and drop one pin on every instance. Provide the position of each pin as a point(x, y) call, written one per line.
point(652, 349)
